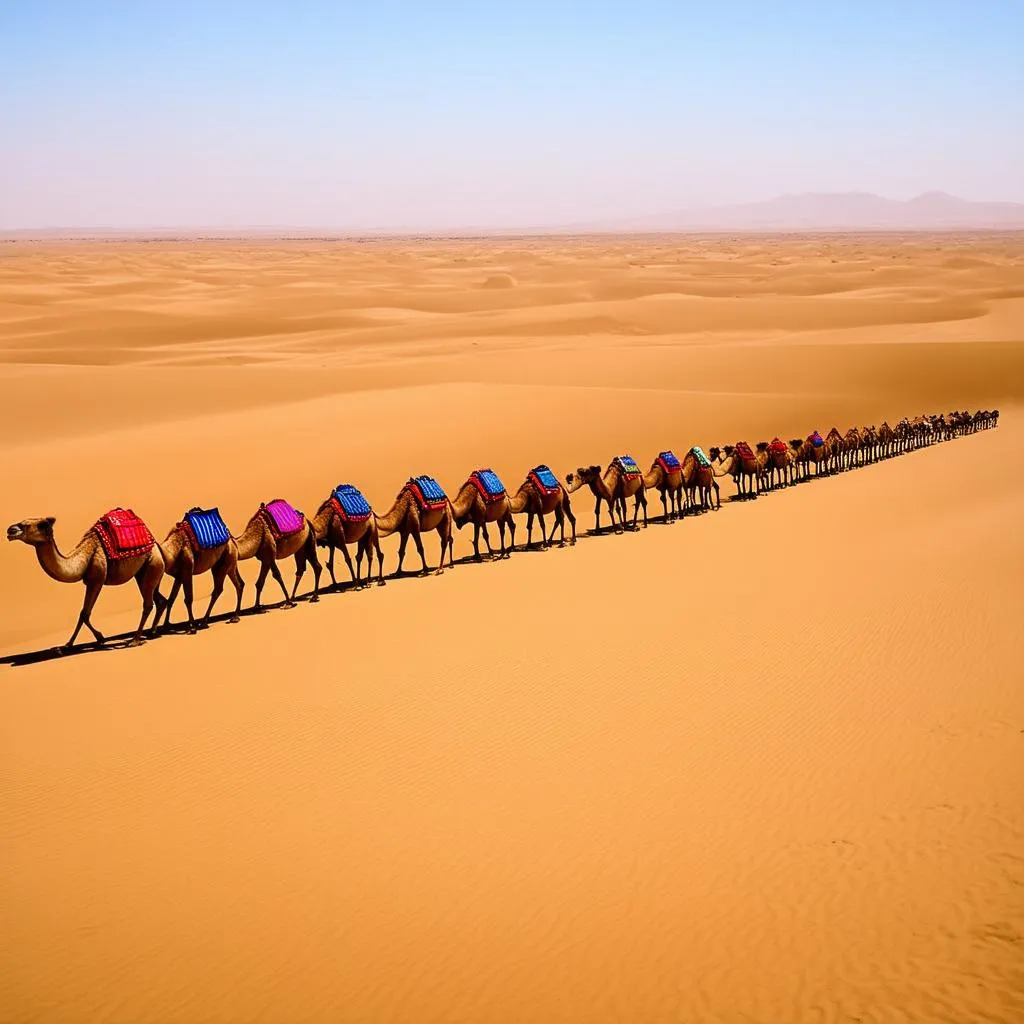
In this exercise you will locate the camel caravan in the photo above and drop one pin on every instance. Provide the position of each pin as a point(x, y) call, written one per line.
point(120, 546)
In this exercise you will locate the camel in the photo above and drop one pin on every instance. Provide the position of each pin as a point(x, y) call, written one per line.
point(335, 528)
point(477, 504)
point(262, 541)
point(853, 446)
point(835, 447)
point(666, 476)
point(780, 464)
point(698, 477)
point(743, 468)
point(185, 559)
point(408, 517)
point(539, 495)
point(88, 563)
point(614, 487)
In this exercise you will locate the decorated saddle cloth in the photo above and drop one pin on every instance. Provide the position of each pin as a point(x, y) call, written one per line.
point(350, 504)
point(698, 453)
point(669, 463)
point(744, 451)
point(486, 481)
point(281, 517)
point(544, 480)
point(627, 465)
point(777, 445)
point(123, 534)
point(816, 439)
point(205, 528)
point(429, 494)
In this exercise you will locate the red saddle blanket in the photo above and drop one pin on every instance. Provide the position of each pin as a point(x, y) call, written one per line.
point(744, 451)
point(281, 517)
point(123, 534)
point(778, 446)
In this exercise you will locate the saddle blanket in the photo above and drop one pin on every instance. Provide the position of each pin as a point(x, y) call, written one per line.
point(698, 453)
point(544, 480)
point(627, 465)
point(123, 534)
point(350, 504)
point(428, 493)
point(205, 528)
point(743, 451)
point(816, 439)
point(669, 463)
point(488, 484)
point(281, 517)
point(777, 446)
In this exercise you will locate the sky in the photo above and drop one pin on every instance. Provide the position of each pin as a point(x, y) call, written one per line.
point(429, 114)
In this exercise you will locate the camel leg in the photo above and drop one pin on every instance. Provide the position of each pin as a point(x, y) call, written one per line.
point(487, 541)
point(380, 561)
point(92, 592)
point(313, 559)
point(330, 564)
point(239, 583)
point(348, 562)
point(476, 544)
point(220, 571)
point(148, 581)
point(186, 586)
point(423, 558)
point(175, 587)
point(597, 516)
point(300, 571)
point(641, 501)
point(402, 542)
point(510, 519)
point(265, 566)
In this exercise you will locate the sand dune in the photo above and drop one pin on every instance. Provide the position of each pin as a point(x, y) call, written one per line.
point(762, 765)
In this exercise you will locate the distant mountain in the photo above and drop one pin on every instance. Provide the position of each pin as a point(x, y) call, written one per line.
point(827, 211)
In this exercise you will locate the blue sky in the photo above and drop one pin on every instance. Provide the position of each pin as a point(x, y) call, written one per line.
point(427, 115)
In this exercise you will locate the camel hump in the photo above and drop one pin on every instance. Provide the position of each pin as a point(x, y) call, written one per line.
point(349, 503)
point(123, 534)
point(489, 484)
point(282, 517)
point(429, 494)
point(544, 480)
point(206, 528)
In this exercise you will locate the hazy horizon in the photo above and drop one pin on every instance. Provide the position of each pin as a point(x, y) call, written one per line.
point(451, 116)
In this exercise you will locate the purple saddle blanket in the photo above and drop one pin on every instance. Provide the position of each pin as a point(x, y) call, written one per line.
point(281, 517)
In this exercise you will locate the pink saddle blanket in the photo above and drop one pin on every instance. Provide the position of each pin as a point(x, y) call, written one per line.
point(281, 517)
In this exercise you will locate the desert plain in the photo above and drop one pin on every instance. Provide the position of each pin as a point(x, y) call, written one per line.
point(762, 765)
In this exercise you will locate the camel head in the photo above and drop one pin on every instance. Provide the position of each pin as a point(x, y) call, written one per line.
point(762, 446)
point(583, 476)
point(796, 443)
point(715, 453)
point(32, 531)
point(729, 450)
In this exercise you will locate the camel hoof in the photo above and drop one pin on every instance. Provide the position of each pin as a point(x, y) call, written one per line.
point(288, 604)
point(315, 599)
point(137, 641)
point(234, 618)
point(192, 630)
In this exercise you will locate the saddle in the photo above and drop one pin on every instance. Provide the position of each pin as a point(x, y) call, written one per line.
point(778, 447)
point(627, 465)
point(281, 517)
point(669, 463)
point(123, 534)
point(744, 452)
point(204, 528)
point(429, 494)
point(544, 480)
point(702, 460)
point(487, 482)
point(816, 439)
point(350, 504)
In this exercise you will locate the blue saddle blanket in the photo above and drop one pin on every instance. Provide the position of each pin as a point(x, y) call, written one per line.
point(545, 478)
point(207, 527)
point(628, 465)
point(429, 490)
point(488, 481)
point(669, 462)
point(817, 440)
point(353, 505)
point(698, 454)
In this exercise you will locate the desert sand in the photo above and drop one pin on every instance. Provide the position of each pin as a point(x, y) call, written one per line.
point(762, 765)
